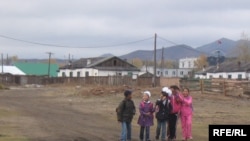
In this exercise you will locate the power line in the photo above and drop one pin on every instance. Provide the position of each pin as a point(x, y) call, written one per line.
point(180, 46)
point(65, 46)
point(167, 40)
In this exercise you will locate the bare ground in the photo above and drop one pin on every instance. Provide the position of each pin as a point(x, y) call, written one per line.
point(87, 113)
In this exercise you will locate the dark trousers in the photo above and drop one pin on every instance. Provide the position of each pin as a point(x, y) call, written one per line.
point(144, 129)
point(172, 125)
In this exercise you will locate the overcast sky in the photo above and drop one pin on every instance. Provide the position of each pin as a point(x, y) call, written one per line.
point(89, 28)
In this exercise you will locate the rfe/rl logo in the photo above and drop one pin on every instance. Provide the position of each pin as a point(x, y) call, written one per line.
point(229, 132)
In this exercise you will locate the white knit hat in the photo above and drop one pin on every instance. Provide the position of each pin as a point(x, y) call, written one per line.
point(167, 90)
point(147, 93)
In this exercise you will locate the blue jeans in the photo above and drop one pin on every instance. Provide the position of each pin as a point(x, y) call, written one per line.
point(126, 131)
point(161, 129)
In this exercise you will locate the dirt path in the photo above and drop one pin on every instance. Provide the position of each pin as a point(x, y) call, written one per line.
point(64, 114)
point(47, 118)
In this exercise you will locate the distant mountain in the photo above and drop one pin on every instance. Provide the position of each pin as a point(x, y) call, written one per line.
point(228, 48)
point(170, 53)
point(224, 45)
point(106, 55)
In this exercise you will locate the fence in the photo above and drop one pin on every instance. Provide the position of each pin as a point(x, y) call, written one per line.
point(218, 86)
point(99, 80)
point(9, 79)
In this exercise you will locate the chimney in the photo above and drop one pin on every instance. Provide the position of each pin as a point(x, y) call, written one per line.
point(239, 64)
point(88, 61)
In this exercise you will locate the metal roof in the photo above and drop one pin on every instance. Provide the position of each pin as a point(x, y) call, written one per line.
point(39, 69)
point(227, 67)
point(12, 70)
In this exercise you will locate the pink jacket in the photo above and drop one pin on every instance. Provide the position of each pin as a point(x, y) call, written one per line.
point(176, 105)
point(186, 105)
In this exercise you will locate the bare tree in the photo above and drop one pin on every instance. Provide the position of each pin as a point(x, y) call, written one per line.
point(136, 62)
point(201, 62)
point(243, 49)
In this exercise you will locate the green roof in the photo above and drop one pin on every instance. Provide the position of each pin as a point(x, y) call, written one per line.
point(37, 68)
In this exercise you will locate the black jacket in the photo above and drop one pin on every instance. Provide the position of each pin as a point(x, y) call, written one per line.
point(126, 110)
point(163, 110)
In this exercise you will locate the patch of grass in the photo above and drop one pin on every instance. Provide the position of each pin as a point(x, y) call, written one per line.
point(7, 129)
point(9, 138)
point(3, 87)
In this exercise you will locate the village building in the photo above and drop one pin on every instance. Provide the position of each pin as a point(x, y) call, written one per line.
point(38, 69)
point(165, 72)
point(12, 70)
point(187, 63)
point(226, 70)
point(98, 66)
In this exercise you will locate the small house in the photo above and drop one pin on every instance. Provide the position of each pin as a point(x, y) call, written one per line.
point(98, 66)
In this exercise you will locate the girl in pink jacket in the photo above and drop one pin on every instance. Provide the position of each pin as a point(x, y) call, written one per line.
point(186, 114)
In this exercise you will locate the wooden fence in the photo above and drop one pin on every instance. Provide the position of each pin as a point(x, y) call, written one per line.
point(218, 86)
point(9, 79)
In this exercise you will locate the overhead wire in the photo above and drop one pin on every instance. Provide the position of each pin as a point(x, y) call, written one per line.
point(167, 40)
point(65, 46)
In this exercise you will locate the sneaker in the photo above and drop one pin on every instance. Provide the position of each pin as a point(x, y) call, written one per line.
point(157, 137)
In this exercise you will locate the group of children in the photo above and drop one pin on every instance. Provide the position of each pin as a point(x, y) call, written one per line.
point(172, 105)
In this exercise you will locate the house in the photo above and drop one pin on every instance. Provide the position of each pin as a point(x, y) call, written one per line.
point(226, 70)
point(187, 63)
point(13, 70)
point(165, 72)
point(98, 66)
point(38, 69)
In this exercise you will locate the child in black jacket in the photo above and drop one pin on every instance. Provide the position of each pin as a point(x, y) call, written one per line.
point(162, 109)
point(125, 113)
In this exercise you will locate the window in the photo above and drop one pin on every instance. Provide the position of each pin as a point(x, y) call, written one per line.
point(71, 74)
point(173, 72)
point(86, 74)
point(78, 74)
point(229, 76)
point(210, 76)
point(189, 64)
point(63, 74)
point(240, 76)
point(220, 76)
point(166, 72)
point(181, 73)
point(158, 72)
point(183, 64)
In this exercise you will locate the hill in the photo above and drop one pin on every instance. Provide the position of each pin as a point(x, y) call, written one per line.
point(224, 45)
point(170, 53)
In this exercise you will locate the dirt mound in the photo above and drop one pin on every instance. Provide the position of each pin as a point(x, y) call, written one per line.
point(101, 90)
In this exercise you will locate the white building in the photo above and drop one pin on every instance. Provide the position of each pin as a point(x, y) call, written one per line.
point(11, 70)
point(187, 63)
point(227, 70)
point(165, 72)
point(98, 66)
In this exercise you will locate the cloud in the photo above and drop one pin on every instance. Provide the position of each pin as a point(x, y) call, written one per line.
point(108, 22)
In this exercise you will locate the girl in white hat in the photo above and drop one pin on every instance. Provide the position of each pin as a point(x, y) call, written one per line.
point(146, 117)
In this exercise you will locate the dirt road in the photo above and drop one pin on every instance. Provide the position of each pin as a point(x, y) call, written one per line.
point(44, 117)
point(63, 114)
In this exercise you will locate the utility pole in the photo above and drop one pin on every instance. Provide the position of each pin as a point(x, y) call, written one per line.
point(50, 53)
point(218, 59)
point(162, 61)
point(154, 77)
point(2, 62)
